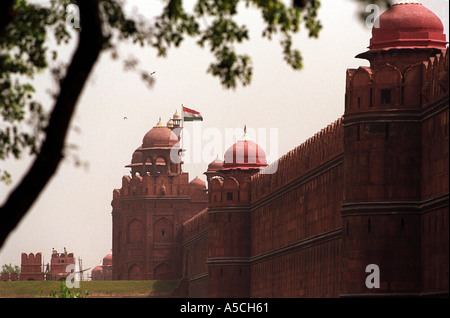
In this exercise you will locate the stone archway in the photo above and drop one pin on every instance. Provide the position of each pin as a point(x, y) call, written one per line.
point(135, 272)
point(135, 232)
point(163, 271)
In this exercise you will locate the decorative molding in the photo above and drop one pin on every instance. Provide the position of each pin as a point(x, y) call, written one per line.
point(395, 207)
point(302, 244)
point(198, 277)
point(227, 261)
point(396, 115)
point(197, 237)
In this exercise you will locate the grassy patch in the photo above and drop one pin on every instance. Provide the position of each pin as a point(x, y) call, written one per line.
point(143, 288)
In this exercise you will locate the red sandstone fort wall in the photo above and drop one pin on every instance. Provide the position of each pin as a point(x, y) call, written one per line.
point(396, 178)
point(319, 149)
point(195, 251)
point(435, 176)
point(299, 217)
point(296, 221)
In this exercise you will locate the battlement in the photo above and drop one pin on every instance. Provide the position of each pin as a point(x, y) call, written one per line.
point(322, 147)
point(31, 267)
point(436, 78)
point(148, 185)
point(195, 225)
point(389, 87)
point(31, 259)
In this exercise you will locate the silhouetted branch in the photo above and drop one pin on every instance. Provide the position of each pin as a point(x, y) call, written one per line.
point(25, 194)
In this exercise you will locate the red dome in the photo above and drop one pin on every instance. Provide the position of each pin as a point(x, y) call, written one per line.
point(215, 165)
point(97, 268)
point(244, 154)
point(107, 260)
point(159, 136)
point(198, 182)
point(409, 26)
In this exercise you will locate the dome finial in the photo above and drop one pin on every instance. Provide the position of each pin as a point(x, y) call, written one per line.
point(245, 133)
point(176, 115)
point(160, 124)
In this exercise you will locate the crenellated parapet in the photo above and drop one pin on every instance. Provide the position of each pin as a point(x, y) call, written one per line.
point(195, 225)
point(153, 186)
point(435, 78)
point(317, 150)
point(389, 87)
point(31, 259)
point(31, 267)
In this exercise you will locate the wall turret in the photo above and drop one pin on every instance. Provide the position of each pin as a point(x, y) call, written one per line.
point(151, 206)
point(229, 238)
point(382, 153)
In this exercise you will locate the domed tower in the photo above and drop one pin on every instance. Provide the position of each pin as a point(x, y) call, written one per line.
point(151, 206)
point(406, 34)
point(229, 218)
point(383, 124)
point(160, 151)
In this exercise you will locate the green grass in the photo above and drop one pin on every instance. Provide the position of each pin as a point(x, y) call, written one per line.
point(144, 288)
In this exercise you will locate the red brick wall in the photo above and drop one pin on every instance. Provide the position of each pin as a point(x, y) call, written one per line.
point(435, 178)
point(396, 178)
point(306, 271)
point(376, 194)
point(194, 255)
point(296, 230)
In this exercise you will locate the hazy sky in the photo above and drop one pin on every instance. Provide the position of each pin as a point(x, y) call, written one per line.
point(74, 210)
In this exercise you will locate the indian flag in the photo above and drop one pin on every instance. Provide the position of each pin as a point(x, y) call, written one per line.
point(191, 115)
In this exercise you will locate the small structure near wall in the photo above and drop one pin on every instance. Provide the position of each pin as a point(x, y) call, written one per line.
point(31, 267)
point(58, 265)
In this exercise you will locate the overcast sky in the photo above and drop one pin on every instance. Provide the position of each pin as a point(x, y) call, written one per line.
point(74, 210)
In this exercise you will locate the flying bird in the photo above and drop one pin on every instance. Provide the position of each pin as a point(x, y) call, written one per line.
point(152, 72)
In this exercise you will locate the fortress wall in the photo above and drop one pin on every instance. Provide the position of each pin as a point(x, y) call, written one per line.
point(194, 254)
point(309, 271)
point(317, 150)
point(435, 178)
point(296, 228)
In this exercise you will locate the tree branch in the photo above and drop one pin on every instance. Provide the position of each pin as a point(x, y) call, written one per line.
point(6, 14)
point(47, 161)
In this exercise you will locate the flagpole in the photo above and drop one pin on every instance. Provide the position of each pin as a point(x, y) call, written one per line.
point(182, 136)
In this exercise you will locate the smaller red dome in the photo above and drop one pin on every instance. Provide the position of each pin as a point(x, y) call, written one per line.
point(107, 260)
point(198, 182)
point(97, 268)
point(215, 165)
point(244, 154)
